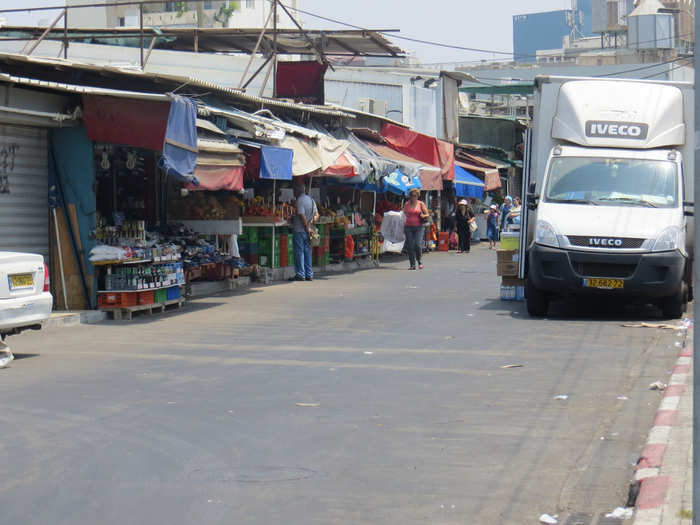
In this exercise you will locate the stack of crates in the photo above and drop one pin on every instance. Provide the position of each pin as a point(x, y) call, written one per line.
point(267, 246)
point(290, 249)
point(248, 245)
point(512, 288)
point(321, 253)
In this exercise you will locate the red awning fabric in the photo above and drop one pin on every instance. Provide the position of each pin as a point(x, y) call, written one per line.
point(422, 147)
point(343, 167)
point(131, 122)
point(491, 177)
point(213, 178)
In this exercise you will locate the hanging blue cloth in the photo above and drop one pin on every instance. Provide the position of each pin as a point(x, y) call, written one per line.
point(400, 183)
point(467, 184)
point(276, 163)
point(180, 147)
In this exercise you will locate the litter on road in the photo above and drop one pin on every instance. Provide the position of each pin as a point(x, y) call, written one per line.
point(657, 385)
point(563, 397)
point(368, 353)
point(309, 405)
point(512, 366)
point(662, 326)
point(621, 513)
point(622, 398)
point(546, 518)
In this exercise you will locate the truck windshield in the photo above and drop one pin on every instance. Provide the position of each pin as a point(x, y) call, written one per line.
point(611, 181)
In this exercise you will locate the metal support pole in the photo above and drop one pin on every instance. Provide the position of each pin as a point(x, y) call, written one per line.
point(141, 35)
point(267, 77)
point(696, 345)
point(274, 48)
point(65, 33)
point(255, 51)
point(46, 32)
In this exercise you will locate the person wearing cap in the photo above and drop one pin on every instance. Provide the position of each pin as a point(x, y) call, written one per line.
point(463, 216)
point(492, 226)
point(416, 214)
point(504, 211)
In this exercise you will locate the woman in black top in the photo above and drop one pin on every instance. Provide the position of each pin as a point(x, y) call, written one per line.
point(463, 216)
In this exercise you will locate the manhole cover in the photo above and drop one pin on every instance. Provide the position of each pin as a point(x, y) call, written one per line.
point(251, 474)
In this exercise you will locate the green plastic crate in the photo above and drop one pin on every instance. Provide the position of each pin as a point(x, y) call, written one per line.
point(250, 234)
point(160, 296)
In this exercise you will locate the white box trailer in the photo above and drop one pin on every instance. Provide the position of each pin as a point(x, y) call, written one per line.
point(608, 187)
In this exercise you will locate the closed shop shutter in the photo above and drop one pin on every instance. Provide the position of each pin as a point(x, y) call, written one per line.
point(24, 215)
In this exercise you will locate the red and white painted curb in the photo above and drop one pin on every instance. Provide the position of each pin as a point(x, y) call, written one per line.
point(654, 486)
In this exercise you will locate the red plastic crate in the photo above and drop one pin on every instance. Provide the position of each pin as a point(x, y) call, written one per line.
point(147, 297)
point(117, 299)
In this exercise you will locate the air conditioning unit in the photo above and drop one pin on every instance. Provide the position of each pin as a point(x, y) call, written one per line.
point(371, 105)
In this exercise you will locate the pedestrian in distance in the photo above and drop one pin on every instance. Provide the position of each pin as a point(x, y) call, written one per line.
point(416, 215)
point(492, 226)
point(302, 227)
point(504, 211)
point(463, 217)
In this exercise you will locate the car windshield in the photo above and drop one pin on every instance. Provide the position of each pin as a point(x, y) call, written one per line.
point(612, 181)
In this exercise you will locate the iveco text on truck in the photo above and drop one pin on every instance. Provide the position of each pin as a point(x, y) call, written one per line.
point(609, 181)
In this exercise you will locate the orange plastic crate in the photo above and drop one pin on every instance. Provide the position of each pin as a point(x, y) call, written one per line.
point(146, 297)
point(117, 299)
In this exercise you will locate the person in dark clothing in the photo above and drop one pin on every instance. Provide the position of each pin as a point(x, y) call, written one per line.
point(464, 216)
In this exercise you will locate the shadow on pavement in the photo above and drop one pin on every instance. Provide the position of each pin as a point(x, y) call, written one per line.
point(25, 356)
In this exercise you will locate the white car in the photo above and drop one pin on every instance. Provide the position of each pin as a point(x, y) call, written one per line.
point(25, 299)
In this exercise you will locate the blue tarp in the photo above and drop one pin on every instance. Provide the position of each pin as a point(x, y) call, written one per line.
point(276, 163)
point(400, 183)
point(180, 147)
point(468, 185)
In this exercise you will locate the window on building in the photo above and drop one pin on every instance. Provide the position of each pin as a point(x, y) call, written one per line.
point(121, 21)
point(170, 6)
point(250, 4)
point(208, 5)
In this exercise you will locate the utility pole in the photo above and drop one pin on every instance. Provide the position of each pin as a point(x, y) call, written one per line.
point(696, 346)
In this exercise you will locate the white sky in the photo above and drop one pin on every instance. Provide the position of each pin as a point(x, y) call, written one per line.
point(468, 23)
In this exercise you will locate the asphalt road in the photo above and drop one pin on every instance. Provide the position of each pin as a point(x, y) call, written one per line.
point(373, 397)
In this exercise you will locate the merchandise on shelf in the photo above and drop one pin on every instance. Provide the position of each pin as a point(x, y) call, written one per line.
point(144, 276)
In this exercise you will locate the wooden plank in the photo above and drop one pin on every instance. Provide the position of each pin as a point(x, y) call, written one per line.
point(89, 278)
point(74, 288)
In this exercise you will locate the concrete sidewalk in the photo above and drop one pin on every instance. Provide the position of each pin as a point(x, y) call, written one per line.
point(666, 466)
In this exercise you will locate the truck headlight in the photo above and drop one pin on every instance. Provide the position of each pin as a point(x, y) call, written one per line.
point(546, 235)
point(672, 238)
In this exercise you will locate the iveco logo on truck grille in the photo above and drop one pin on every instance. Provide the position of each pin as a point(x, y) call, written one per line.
point(616, 130)
point(605, 242)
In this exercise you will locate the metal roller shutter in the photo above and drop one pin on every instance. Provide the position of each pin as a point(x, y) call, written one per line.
point(24, 216)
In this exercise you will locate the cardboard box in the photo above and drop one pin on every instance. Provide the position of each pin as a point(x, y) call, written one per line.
point(503, 256)
point(507, 269)
point(512, 281)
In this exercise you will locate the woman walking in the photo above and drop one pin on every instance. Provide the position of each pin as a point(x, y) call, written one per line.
point(416, 214)
point(464, 216)
point(492, 226)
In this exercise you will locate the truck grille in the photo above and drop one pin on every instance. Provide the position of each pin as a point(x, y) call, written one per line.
point(604, 269)
point(585, 241)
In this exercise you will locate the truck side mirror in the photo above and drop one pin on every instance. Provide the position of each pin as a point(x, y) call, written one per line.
point(689, 209)
point(533, 200)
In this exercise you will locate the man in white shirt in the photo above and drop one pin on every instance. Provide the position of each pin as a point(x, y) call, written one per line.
point(301, 227)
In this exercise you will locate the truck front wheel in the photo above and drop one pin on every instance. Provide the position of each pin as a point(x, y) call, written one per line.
point(674, 306)
point(537, 300)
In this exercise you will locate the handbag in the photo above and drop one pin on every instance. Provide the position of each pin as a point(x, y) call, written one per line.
point(424, 220)
point(473, 226)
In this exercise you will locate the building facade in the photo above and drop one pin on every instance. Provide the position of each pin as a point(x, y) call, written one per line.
point(211, 13)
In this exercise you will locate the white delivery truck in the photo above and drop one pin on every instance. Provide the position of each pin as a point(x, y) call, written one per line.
point(608, 184)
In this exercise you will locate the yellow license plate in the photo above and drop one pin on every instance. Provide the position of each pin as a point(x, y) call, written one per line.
point(605, 284)
point(21, 280)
